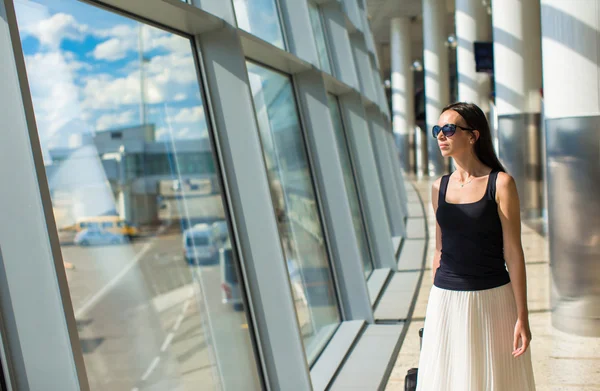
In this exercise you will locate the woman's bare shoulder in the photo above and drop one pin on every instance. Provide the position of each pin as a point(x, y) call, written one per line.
point(436, 184)
point(506, 185)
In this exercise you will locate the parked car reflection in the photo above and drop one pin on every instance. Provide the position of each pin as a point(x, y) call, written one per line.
point(94, 236)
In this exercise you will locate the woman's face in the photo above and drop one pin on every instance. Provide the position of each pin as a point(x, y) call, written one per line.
point(461, 141)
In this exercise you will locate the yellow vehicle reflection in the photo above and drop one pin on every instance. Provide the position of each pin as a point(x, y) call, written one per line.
point(113, 224)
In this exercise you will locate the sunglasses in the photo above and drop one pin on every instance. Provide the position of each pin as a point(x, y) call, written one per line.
point(448, 130)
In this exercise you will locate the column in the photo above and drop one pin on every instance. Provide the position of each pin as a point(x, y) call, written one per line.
point(402, 87)
point(473, 24)
point(518, 79)
point(437, 78)
point(570, 41)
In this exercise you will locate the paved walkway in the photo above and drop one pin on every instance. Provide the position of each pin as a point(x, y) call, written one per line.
point(561, 362)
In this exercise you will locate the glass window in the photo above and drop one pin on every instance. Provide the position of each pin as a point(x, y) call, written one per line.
point(260, 18)
point(351, 187)
point(295, 206)
point(317, 27)
point(152, 313)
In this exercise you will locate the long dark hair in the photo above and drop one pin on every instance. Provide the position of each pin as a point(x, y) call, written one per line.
point(475, 119)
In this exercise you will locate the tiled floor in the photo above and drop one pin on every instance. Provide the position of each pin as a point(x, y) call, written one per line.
point(561, 362)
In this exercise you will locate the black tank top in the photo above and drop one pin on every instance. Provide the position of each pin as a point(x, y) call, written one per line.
point(472, 244)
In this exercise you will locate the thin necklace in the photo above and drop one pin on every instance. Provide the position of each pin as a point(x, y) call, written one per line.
point(463, 184)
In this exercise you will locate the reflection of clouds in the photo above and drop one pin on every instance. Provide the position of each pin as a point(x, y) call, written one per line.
point(124, 39)
point(180, 123)
point(113, 49)
point(50, 31)
point(166, 77)
point(114, 120)
point(70, 99)
point(261, 20)
point(55, 98)
point(192, 114)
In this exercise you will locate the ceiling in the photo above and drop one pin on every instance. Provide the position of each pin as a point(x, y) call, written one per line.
point(381, 12)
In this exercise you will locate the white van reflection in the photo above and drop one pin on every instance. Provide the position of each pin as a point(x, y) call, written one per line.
point(200, 246)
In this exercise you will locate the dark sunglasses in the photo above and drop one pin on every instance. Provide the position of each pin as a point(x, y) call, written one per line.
point(448, 130)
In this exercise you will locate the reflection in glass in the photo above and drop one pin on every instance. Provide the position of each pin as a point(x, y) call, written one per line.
point(135, 194)
point(317, 27)
point(295, 206)
point(260, 18)
point(351, 187)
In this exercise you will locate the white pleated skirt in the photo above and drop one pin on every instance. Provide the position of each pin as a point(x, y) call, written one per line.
point(468, 343)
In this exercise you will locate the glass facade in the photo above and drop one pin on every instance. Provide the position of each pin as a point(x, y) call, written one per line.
point(260, 18)
point(295, 205)
point(360, 229)
point(135, 196)
point(188, 235)
point(319, 33)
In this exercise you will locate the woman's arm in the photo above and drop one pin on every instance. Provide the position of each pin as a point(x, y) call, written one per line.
point(435, 192)
point(509, 212)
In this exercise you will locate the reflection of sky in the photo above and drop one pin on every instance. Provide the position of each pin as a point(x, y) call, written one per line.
point(261, 18)
point(317, 27)
point(275, 92)
point(84, 72)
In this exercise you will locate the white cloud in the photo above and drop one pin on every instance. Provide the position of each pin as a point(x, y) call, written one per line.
point(184, 133)
point(55, 96)
point(114, 120)
point(174, 67)
point(189, 114)
point(165, 78)
point(119, 31)
point(114, 49)
point(123, 39)
point(161, 134)
point(180, 97)
point(52, 30)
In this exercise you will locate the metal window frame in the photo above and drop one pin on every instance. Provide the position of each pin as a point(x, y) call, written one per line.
point(398, 172)
point(46, 357)
point(359, 139)
point(314, 181)
point(251, 203)
point(296, 21)
point(325, 37)
point(356, 174)
point(363, 65)
point(345, 255)
point(387, 176)
point(336, 34)
point(222, 50)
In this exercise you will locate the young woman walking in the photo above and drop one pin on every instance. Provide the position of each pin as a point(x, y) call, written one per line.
point(476, 333)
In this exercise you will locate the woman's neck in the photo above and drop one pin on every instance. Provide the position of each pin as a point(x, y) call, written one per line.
point(470, 166)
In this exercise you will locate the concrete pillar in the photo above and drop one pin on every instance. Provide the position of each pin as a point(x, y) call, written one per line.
point(403, 101)
point(473, 24)
point(518, 79)
point(437, 78)
point(570, 61)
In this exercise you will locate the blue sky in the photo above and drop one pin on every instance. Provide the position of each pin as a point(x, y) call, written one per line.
point(84, 73)
point(84, 70)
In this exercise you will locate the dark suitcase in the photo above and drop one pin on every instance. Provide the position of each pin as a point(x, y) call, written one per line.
point(410, 381)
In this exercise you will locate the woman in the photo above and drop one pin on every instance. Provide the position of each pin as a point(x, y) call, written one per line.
point(476, 332)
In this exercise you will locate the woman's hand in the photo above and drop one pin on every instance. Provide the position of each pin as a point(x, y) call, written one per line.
point(523, 333)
